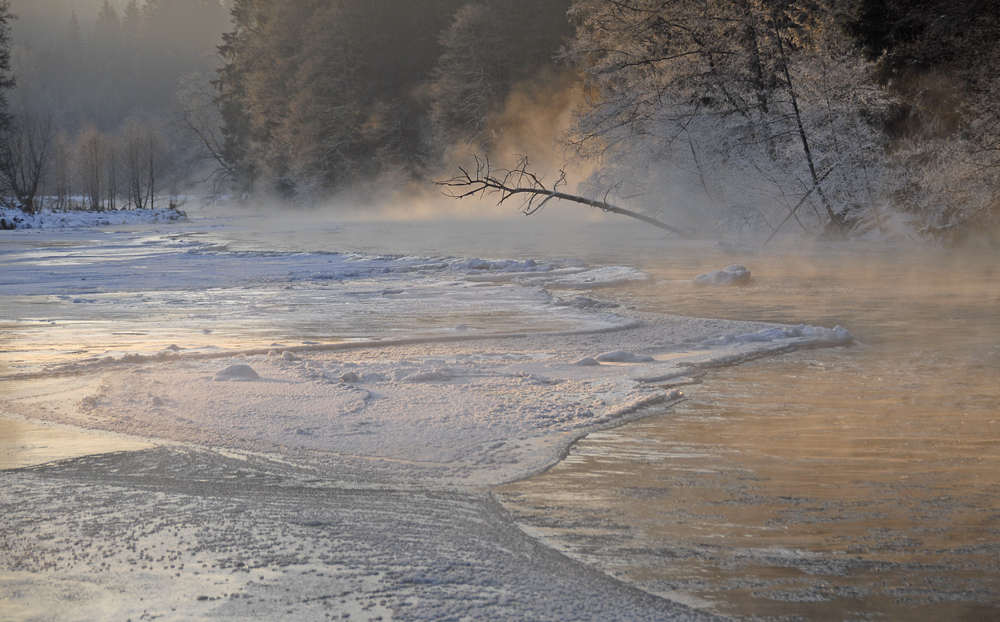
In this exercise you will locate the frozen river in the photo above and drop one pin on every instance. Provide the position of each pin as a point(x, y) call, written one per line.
point(406, 370)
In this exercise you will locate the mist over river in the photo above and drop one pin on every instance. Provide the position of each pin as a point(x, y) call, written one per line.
point(537, 418)
point(856, 483)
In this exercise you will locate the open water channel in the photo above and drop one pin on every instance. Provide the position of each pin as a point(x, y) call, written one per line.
point(859, 483)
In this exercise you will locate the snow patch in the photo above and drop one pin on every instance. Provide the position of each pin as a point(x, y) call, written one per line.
point(733, 275)
point(80, 219)
point(237, 372)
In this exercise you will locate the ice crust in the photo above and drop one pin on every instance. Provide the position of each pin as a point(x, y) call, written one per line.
point(469, 412)
point(294, 477)
point(455, 399)
point(802, 334)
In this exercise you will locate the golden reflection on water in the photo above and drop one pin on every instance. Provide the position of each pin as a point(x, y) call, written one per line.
point(24, 444)
point(829, 484)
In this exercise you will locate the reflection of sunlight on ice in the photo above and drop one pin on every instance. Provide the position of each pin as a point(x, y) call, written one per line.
point(24, 444)
point(288, 307)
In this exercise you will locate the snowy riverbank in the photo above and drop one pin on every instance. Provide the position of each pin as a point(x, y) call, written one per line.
point(11, 218)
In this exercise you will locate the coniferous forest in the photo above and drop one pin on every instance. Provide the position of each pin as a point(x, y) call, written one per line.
point(841, 118)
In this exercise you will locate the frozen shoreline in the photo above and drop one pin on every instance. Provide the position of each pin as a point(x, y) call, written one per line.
point(349, 477)
point(474, 412)
point(12, 219)
point(194, 532)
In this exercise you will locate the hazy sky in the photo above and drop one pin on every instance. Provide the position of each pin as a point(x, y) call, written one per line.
point(39, 21)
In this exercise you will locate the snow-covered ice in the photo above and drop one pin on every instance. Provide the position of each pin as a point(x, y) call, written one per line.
point(346, 474)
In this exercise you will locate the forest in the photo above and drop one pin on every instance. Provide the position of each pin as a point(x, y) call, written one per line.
point(831, 118)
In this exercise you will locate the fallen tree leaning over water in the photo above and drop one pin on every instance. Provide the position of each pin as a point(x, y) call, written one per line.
point(532, 191)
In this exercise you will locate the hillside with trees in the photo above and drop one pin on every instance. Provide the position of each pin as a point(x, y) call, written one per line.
point(838, 118)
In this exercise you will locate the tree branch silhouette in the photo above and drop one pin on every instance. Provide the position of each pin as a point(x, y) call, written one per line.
point(531, 190)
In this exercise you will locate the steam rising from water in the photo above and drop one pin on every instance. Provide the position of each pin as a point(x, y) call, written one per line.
point(817, 485)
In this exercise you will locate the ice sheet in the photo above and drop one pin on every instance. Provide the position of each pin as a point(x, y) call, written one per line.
point(347, 477)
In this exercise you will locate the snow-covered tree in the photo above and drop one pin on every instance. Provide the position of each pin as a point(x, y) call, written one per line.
point(317, 94)
point(734, 108)
point(938, 60)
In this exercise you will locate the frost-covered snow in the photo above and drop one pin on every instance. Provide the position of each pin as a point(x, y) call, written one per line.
point(78, 219)
point(325, 424)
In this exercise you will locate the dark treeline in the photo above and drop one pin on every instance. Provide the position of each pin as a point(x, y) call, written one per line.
point(319, 94)
point(830, 116)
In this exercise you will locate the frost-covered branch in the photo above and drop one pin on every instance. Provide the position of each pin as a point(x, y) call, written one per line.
point(530, 188)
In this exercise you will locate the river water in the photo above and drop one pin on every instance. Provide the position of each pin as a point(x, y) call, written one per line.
point(853, 483)
point(848, 484)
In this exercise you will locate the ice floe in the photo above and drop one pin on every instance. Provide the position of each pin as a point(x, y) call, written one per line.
point(621, 356)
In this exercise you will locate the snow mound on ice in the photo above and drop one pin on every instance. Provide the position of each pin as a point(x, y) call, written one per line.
point(621, 356)
point(237, 372)
point(587, 362)
point(733, 275)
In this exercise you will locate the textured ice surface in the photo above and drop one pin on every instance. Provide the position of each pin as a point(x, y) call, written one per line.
point(346, 478)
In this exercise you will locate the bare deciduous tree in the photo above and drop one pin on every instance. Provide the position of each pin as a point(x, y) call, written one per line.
point(198, 115)
point(25, 149)
point(91, 165)
point(156, 157)
point(770, 92)
point(59, 183)
point(132, 164)
point(145, 162)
